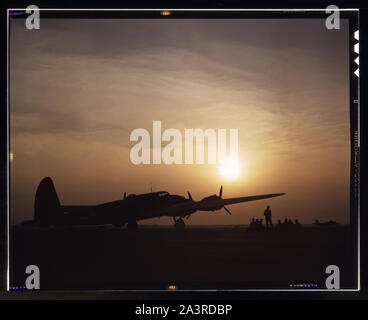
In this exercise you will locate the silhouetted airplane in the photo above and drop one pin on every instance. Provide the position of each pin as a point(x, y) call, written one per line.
point(325, 224)
point(48, 210)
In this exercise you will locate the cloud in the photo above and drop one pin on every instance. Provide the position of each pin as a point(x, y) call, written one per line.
point(78, 88)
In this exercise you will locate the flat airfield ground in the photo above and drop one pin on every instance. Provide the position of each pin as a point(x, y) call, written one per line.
point(198, 258)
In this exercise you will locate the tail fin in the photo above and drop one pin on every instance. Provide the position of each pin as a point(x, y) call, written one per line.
point(47, 207)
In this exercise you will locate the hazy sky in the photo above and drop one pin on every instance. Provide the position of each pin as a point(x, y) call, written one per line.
point(79, 87)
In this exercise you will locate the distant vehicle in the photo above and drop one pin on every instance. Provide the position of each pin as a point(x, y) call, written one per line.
point(49, 212)
point(325, 224)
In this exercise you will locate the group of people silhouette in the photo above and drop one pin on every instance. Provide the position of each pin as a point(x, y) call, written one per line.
point(286, 225)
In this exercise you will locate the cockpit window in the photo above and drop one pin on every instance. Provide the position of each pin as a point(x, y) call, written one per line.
point(163, 193)
point(132, 195)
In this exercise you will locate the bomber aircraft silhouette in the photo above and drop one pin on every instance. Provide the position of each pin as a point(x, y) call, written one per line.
point(49, 212)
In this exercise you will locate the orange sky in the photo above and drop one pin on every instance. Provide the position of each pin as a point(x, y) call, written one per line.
point(79, 87)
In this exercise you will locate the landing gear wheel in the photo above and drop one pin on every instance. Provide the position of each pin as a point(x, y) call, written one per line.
point(179, 224)
point(132, 225)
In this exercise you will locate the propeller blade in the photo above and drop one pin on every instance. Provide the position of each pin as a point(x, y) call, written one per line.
point(227, 210)
point(220, 194)
point(124, 195)
point(190, 196)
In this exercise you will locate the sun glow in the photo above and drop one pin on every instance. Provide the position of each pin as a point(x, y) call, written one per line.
point(230, 169)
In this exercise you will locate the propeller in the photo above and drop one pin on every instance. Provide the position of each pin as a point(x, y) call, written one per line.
point(227, 210)
point(125, 195)
point(190, 198)
point(220, 196)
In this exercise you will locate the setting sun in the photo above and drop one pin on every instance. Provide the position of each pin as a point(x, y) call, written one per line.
point(230, 169)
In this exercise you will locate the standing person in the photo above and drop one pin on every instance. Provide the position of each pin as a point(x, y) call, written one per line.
point(268, 215)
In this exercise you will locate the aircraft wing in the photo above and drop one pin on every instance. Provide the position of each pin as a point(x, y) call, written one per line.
point(184, 208)
point(250, 198)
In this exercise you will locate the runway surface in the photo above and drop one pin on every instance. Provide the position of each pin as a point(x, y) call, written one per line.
point(197, 258)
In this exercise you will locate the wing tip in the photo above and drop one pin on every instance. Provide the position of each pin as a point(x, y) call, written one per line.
point(279, 194)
